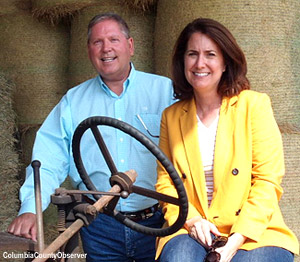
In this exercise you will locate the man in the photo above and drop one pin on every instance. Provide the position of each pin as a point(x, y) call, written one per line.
point(120, 92)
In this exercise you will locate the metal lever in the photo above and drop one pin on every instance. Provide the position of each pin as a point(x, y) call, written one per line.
point(71, 230)
point(38, 204)
point(63, 191)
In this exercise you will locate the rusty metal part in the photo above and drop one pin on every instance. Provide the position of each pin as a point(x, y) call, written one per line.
point(11, 242)
point(86, 208)
point(85, 212)
point(121, 179)
point(61, 220)
point(70, 231)
point(38, 204)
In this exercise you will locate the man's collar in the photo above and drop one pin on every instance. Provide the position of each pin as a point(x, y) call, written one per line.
point(126, 84)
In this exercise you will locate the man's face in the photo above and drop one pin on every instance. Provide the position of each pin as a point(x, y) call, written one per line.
point(110, 51)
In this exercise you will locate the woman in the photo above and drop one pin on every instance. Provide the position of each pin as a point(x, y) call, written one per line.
point(224, 142)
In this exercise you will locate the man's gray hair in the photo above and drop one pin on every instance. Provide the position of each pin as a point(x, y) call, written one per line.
point(109, 16)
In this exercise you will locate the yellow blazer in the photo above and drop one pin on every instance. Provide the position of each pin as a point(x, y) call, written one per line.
point(248, 169)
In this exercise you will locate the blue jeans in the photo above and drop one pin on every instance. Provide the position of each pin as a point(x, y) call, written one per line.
point(108, 240)
point(184, 248)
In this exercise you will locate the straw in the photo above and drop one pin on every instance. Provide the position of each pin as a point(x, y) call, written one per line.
point(35, 56)
point(9, 160)
point(55, 11)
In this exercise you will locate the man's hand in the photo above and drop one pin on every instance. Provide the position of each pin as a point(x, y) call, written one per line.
point(24, 226)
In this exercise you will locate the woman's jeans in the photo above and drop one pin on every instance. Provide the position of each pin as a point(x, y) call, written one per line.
point(106, 239)
point(183, 248)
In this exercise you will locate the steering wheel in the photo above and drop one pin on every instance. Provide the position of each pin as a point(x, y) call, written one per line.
point(92, 123)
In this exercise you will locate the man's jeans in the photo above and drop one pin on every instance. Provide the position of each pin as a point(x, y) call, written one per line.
point(107, 240)
point(183, 248)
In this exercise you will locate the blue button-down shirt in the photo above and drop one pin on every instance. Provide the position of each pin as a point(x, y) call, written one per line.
point(144, 94)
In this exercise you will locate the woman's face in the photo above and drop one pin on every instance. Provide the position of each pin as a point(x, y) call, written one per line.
point(203, 63)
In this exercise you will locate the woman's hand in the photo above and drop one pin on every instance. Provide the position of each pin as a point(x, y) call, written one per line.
point(200, 229)
point(235, 241)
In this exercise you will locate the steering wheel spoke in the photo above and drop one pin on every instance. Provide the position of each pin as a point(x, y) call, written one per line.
point(156, 195)
point(104, 150)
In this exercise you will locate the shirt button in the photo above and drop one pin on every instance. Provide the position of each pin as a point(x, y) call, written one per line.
point(235, 171)
point(122, 161)
point(120, 118)
point(121, 139)
point(237, 212)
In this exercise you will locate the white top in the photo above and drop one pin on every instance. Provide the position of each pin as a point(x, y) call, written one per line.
point(207, 140)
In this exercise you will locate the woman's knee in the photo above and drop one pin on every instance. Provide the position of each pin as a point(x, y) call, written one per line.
point(182, 248)
point(264, 254)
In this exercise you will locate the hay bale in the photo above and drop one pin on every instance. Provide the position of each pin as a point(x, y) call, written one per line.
point(143, 5)
point(35, 56)
point(142, 30)
point(287, 128)
point(9, 160)
point(13, 6)
point(27, 135)
point(55, 11)
point(268, 32)
point(8, 7)
point(290, 202)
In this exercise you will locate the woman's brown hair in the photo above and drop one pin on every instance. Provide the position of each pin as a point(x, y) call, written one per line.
point(233, 80)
